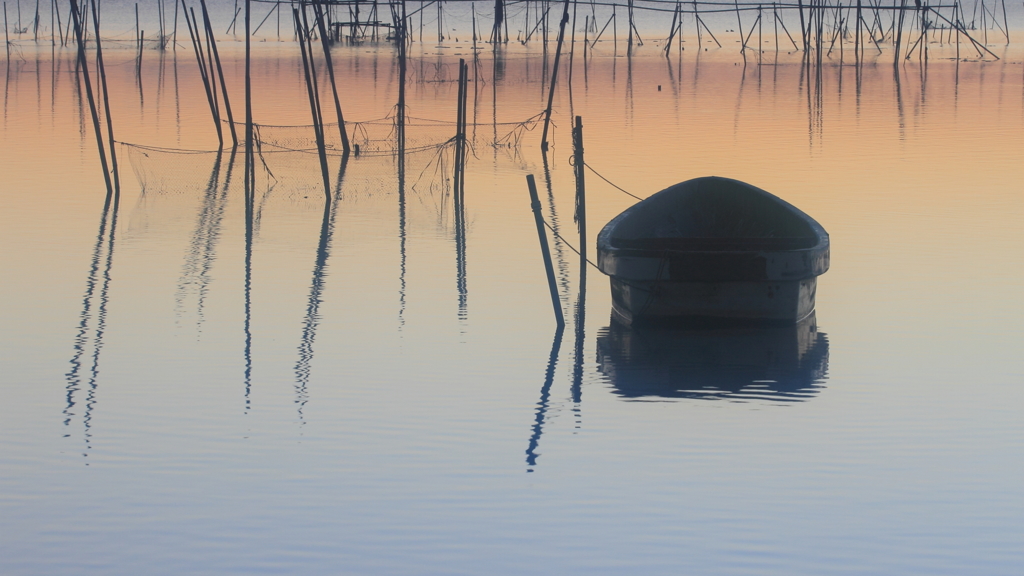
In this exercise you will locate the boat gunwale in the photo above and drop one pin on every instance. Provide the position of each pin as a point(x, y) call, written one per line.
point(812, 258)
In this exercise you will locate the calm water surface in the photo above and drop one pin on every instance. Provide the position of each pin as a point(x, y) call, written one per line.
point(381, 389)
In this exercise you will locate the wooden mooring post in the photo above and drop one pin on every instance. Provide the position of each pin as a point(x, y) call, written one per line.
point(579, 167)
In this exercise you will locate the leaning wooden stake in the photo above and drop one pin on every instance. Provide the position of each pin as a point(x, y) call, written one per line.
point(548, 267)
point(211, 94)
point(212, 43)
point(318, 11)
point(83, 65)
point(554, 75)
point(302, 31)
point(106, 101)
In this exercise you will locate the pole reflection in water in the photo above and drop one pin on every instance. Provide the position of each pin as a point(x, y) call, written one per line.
point(312, 318)
point(579, 319)
point(545, 395)
point(556, 240)
point(92, 326)
point(775, 363)
point(202, 248)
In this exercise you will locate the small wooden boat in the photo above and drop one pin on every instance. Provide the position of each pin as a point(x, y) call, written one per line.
point(713, 249)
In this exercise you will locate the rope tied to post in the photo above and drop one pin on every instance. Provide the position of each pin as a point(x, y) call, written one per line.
point(610, 183)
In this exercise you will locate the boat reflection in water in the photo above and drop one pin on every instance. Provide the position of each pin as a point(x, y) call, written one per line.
point(776, 363)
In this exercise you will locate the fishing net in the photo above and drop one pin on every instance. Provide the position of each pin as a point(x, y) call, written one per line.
point(171, 170)
point(380, 136)
point(294, 176)
point(287, 160)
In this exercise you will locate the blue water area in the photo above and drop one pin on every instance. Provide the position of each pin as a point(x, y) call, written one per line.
point(208, 379)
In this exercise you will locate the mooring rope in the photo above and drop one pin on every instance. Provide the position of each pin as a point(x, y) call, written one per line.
point(619, 188)
point(559, 236)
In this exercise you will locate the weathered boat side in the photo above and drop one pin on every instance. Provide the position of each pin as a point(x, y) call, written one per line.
point(713, 248)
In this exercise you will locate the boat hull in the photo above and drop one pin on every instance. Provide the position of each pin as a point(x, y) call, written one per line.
point(765, 301)
point(713, 249)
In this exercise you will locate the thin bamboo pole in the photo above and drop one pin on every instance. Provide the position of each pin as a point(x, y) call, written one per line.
point(302, 30)
point(83, 64)
point(318, 11)
point(7, 34)
point(193, 32)
point(106, 100)
point(554, 75)
point(212, 43)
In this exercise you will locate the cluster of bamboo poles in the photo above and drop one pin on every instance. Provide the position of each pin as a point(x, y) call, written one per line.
point(96, 99)
point(824, 28)
point(821, 22)
point(212, 73)
point(982, 17)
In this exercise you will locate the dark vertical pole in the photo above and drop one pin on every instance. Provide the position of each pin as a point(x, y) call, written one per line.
point(499, 15)
point(572, 52)
point(250, 190)
point(739, 28)
point(899, 34)
point(615, 30)
point(193, 31)
point(460, 187)
point(775, 19)
point(60, 25)
point(174, 35)
point(760, 42)
point(250, 165)
point(629, 14)
point(579, 167)
point(803, 26)
point(106, 102)
point(554, 75)
point(1006, 25)
point(318, 11)
point(856, 39)
point(7, 34)
point(307, 66)
point(83, 64)
point(465, 129)
point(401, 37)
point(586, 34)
point(212, 43)
point(460, 137)
point(668, 42)
point(542, 235)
